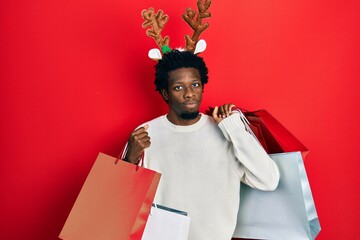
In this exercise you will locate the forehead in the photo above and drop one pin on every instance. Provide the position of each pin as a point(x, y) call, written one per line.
point(183, 74)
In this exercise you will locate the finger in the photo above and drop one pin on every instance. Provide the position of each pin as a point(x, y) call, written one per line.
point(226, 110)
point(143, 143)
point(147, 144)
point(138, 148)
point(231, 106)
point(222, 112)
point(140, 135)
point(215, 113)
point(143, 128)
point(140, 130)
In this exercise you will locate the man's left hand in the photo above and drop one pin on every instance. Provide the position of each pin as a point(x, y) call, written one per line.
point(222, 112)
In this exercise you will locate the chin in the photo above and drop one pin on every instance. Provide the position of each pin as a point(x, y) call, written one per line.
point(189, 115)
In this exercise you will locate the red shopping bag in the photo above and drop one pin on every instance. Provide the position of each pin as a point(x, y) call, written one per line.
point(114, 202)
point(276, 137)
point(271, 134)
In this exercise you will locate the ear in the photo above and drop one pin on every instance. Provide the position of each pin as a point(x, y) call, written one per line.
point(165, 94)
point(200, 46)
point(155, 54)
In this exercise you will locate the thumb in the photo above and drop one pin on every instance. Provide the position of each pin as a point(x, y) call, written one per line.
point(215, 112)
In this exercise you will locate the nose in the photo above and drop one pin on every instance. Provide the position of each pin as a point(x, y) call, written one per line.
point(189, 92)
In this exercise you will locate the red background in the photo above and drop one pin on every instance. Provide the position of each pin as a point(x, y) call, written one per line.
point(75, 80)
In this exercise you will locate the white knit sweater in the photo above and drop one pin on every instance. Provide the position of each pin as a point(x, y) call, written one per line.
point(202, 166)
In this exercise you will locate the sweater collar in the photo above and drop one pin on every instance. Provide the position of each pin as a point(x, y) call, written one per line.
point(188, 128)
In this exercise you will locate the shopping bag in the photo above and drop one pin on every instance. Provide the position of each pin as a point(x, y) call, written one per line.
point(286, 213)
point(166, 223)
point(114, 202)
point(277, 138)
point(270, 133)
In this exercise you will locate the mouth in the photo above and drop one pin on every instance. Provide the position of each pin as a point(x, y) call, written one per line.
point(190, 104)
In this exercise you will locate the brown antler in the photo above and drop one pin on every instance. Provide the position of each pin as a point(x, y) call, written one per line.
point(197, 24)
point(156, 22)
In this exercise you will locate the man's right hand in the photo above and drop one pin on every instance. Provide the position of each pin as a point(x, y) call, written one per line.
point(139, 140)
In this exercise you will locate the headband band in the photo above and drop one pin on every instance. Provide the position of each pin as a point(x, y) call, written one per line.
point(155, 22)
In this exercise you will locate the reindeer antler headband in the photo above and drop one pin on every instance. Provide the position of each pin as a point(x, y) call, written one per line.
point(157, 21)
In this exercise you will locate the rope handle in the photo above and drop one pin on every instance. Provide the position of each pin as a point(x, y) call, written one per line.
point(246, 123)
point(123, 153)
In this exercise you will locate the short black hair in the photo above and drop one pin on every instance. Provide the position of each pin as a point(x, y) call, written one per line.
point(176, 59)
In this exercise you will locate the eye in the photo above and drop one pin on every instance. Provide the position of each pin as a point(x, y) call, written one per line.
point(196, 84)
point(177, 88)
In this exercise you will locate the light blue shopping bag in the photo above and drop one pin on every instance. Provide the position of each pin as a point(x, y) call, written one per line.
point(286, 213)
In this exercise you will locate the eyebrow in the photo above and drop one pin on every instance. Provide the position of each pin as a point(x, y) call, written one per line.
point(178, 81)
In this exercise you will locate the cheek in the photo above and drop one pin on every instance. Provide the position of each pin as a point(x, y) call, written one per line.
point(200, 92)
point(174, 97)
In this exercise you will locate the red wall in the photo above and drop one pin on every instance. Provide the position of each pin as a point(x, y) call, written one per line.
point(75, 80)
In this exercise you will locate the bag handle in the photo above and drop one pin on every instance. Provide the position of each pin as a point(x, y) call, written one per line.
point(244, 120)
point(246, 123)
point(123, 153)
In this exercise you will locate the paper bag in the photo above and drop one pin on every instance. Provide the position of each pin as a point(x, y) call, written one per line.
point(166, 224)
point(278, 139)
point(286, 213)
point(114, 202)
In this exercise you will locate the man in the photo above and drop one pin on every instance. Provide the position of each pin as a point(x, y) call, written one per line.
point(202, 159)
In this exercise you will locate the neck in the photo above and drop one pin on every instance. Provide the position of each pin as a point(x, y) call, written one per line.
point(177, 120)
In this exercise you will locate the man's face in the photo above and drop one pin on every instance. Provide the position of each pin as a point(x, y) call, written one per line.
point(184, 93)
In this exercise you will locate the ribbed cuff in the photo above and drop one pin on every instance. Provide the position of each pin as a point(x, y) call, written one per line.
point(232, 123)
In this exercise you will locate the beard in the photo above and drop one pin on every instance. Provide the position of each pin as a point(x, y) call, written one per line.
point(189, 115)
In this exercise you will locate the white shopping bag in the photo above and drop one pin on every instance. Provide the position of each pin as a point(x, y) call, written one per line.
point(286, 213)
point(166, 224)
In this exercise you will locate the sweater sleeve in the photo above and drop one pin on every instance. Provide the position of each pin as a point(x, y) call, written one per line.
point(260, 171)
